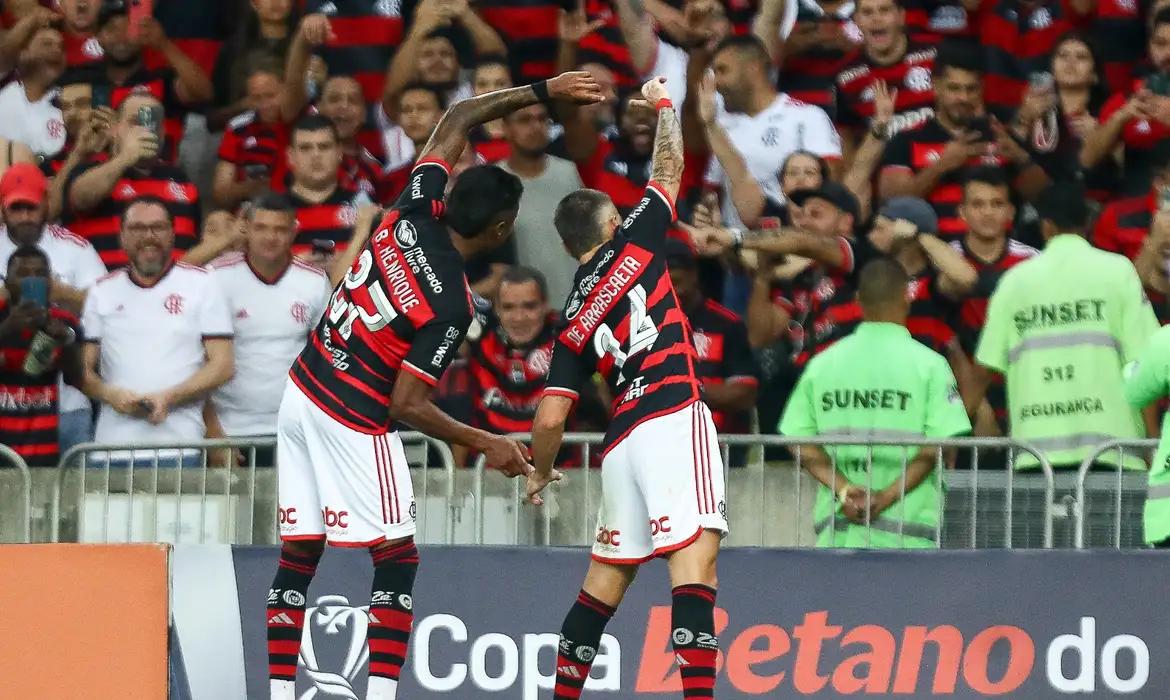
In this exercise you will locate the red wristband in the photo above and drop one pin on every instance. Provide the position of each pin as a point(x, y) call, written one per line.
point(663, 104)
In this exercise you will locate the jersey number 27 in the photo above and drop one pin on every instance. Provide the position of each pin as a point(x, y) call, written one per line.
point(643, 333)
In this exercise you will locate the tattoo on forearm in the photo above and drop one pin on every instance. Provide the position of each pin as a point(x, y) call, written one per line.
point(493, 105)
point(668, 149)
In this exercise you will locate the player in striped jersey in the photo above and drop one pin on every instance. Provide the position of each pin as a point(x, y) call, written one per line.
point(391, 328)
point(662, 474)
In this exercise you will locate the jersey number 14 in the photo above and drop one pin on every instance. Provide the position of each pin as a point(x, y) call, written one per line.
point(643, 333)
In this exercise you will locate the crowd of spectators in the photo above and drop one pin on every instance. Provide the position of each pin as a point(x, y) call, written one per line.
point(186, 181)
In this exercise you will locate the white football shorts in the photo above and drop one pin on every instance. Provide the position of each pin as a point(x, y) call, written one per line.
point(351, 488)
point(661, 486)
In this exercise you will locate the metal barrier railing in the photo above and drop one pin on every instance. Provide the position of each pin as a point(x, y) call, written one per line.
point(24, 486)
point(754, 477)
point(159, 491)
point(1125, 487)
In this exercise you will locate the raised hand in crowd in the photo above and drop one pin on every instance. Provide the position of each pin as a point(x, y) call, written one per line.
point(885, 100)
point(431, 15)
point(707, 104)
point(1008, 146)
point(575, 25)
point(152, 34)
point(699, 32)
point(141, 145)
point(27, 315)
point(316, 30)
point(95, 133)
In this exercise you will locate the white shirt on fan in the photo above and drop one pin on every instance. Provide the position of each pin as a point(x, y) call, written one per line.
point(767, 139)
point(152, 339)
point(38, 125)
point(271, 321)
point(72, 260)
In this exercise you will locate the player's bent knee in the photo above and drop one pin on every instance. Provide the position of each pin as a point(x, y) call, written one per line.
point(608, 582)
point(696, 563)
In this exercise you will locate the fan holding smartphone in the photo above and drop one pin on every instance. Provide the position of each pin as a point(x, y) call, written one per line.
point(37, 347)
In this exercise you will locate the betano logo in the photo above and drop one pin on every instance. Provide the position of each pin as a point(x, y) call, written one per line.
point(872, 660)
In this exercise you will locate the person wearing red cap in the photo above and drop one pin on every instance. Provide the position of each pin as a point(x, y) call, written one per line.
point(74, 263)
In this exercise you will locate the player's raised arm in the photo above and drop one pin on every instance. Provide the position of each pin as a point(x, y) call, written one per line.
point(450, 137)
point(667, 166)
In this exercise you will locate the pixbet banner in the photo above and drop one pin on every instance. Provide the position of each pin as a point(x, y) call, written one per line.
point(806, 623)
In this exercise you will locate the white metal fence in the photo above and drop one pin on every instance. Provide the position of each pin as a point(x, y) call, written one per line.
point(188, 493)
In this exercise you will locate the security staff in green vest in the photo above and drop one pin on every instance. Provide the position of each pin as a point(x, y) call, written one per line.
point(1146, 381)
point(878, 383)
point(1061, 327)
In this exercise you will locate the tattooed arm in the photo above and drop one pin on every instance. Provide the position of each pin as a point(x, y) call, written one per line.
point(450, 137)
point(668, 143)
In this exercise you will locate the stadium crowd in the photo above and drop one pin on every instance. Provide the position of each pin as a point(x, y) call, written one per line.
point(186, 180)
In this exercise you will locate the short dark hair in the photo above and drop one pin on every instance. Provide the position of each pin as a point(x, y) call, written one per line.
point(520, 274)
point(576, 220)
point(30, 250)
point(481, 194)
point(822, 164)
point(493, 59)
point(271, 201)
point(958, 55)
point(1066, 205)
point(746, 45)
point(314, 122)
point(148, 199)
point(882, 281)
point(985, 175)
point(440, 98)
point(1160, 17)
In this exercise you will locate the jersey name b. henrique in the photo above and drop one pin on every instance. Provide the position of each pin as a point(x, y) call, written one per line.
point(403, 306)
point(622, 319)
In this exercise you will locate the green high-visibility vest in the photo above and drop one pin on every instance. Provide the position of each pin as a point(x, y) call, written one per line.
point(877, 383)
point(1147, 380)
point(1060, 327)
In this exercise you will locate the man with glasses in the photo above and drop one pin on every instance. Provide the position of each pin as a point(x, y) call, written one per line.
point(158, 337)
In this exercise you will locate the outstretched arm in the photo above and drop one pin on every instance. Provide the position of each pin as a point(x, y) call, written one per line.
point(668, 143)
point(450, 137)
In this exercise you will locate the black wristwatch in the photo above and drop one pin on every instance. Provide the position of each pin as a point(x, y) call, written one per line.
point(881, 132)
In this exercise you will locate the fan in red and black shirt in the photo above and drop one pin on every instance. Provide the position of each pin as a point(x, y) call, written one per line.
point(1137, 120)
point(726, 368)
point(928, 162)
point(326, 206)
point(510, 358)
point(97, 191)
point(823, 36)
point(1125, 223)
point(934, 21)
point(253, 144)
point(1018, 37)
point(988, 212)
point(886, 54)
point(179, 85)
point(36, 349)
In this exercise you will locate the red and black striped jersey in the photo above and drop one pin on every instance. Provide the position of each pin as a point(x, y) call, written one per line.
point(159, 83)
point(622, 320)
point(933, 21)
point(403, 306)
point(328, 223)
point(1139, 137)
point(249, 141)
point(509, 377)
point(1124, 225)
point(487, 147)
point(810, 76)
point(973, 311)
point(724, 356)
point(931, 315)
point(807, 296)
point(1119, 32)
point(368, 32)
point(28, 404)
point(1017, 40)
point(529, 27)
point(916, 149)
point(365, 173)
point(102, 224)
point(910, 76)
point(607, 46)
point(197, 28)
